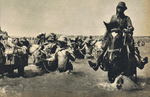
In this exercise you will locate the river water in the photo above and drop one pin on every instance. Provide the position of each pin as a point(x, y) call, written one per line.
point(82, 82)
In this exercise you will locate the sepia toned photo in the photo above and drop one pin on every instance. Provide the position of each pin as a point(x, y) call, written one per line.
point(74, 48)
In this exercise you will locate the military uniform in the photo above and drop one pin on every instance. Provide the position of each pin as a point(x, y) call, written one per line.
point(121, 24)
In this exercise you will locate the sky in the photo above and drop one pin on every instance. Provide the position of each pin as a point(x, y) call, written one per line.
point(69, 17)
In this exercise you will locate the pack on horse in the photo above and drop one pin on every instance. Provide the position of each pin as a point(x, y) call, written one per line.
point(117, 57)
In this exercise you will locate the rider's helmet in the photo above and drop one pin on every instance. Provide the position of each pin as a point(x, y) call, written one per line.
point(122, 5)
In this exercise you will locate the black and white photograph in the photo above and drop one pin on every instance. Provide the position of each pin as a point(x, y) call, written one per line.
point(74, 48)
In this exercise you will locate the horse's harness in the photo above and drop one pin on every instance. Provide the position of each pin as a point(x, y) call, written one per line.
point(111, 51)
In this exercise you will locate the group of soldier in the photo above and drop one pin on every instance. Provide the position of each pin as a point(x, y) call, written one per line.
point(56, 52)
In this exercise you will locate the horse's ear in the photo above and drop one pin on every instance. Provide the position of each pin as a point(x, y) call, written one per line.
point(106, 24)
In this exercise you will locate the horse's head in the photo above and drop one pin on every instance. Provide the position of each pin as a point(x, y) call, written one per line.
point(115, 41)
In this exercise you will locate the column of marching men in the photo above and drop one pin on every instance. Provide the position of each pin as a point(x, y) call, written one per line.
point(50, 52)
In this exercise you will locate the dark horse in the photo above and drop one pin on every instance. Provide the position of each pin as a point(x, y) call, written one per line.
point(2, 59)
point(117, 56)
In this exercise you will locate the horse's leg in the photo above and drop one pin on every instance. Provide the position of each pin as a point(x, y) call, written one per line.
point(2, 66)
point(111, 73)
point(135, 75)
point(2, 70)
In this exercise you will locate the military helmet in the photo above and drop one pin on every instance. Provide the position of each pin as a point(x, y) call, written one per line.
point(50, 37)
point(62, 39)
point(41, 35)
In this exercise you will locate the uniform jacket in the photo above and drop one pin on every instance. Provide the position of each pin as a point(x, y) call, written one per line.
point(124, 22)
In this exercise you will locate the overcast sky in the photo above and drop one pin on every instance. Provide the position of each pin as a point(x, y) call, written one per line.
point(71, 17)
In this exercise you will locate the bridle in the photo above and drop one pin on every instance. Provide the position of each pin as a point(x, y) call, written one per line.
point(111, 51)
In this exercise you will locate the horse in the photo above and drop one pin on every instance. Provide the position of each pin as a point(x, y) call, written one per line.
point(117, 56)
point(2, 59)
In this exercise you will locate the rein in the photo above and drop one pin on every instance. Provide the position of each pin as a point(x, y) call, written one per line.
point(114, 50)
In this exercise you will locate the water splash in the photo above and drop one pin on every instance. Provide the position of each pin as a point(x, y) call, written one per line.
point(121, 83)
point(106, 86)
point(3, 89)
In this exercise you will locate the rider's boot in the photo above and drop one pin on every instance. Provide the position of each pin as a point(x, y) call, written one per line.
point(143, 62)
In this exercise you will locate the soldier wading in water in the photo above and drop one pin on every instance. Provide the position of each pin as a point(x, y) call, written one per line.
point(62, 56)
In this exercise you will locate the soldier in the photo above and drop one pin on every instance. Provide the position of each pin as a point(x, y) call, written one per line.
point(124, 25)
point(50, 45)
point(62, 55)
point(18, 43)
point(41, 38)
point(25, 42)
point(9, 47)
point(88, 46)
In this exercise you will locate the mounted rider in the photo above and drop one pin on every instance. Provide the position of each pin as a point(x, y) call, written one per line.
point(124, 25)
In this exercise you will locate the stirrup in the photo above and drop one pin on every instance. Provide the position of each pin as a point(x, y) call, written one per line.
point(145, 60)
